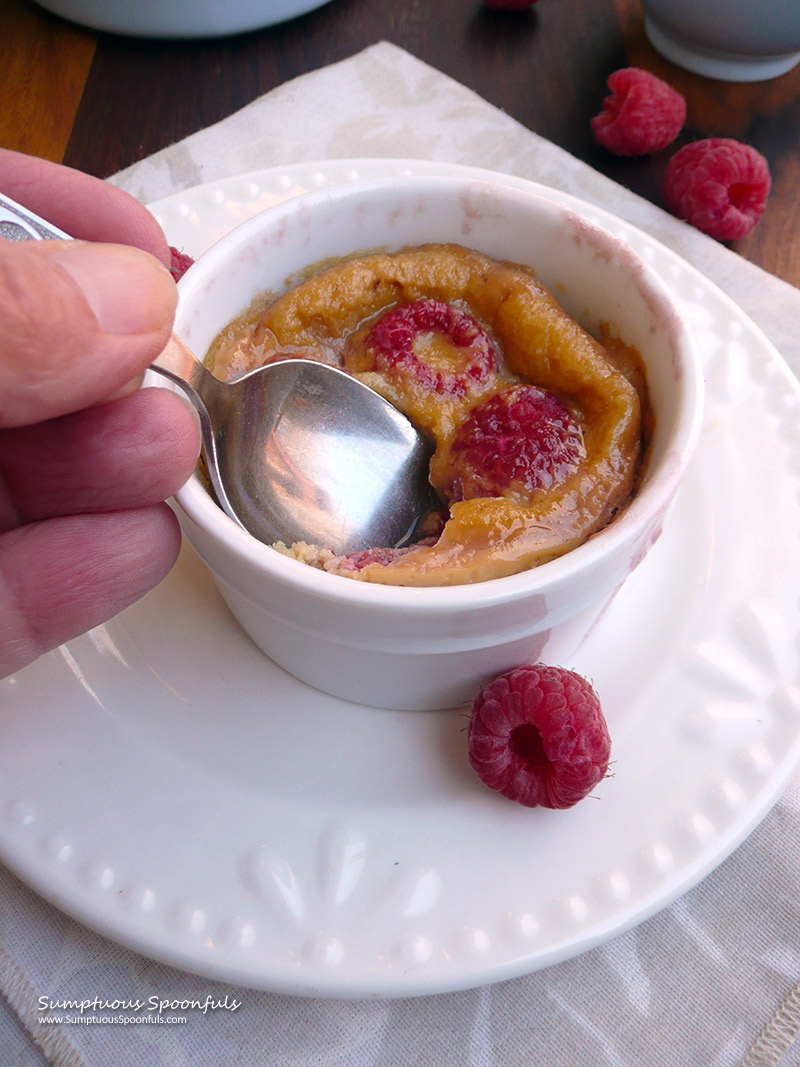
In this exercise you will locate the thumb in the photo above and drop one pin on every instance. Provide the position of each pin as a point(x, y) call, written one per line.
point(77, 322)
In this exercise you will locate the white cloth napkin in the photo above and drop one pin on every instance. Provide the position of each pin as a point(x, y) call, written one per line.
point(711, 980)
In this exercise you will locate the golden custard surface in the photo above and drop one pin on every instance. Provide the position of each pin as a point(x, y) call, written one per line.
point(337, 315)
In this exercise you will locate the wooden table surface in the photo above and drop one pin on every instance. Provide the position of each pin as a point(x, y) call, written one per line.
point(99, 102)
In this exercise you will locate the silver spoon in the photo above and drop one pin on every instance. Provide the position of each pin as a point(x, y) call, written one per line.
point(296, 450)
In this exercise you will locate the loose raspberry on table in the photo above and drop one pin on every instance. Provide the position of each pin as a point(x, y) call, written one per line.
point(643, 114)
point(179, 263)
point(537, 736)
point(719, 185)
point(519, 440)
point(467, 358)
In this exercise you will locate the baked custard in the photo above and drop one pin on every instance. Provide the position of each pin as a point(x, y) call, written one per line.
point(538, 427)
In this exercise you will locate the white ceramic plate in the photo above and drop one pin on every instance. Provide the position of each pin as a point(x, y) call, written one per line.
point(163, 782)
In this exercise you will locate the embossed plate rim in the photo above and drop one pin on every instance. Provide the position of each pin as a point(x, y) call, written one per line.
point(283, 909)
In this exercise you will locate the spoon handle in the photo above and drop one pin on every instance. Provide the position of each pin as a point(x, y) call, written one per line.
point(178, 365)
point(181, 366)
point(203, 391)
point(19, 224)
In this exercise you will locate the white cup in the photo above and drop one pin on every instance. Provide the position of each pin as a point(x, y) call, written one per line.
point(730, 40)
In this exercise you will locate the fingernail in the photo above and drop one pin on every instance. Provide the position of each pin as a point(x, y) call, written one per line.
point(129, 291)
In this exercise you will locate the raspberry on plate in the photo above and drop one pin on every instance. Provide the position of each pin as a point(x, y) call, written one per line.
point(179, 263)
point(719, 185)
point(643, 114)
point(537, 736)
point(441, 347)
point(519, 440)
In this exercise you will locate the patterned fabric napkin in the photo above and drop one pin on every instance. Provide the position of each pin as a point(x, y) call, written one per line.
point(710, 980)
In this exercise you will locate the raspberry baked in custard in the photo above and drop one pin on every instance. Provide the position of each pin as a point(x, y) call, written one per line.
point(538, 427)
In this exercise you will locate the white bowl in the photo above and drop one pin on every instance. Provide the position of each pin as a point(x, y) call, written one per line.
point(425, 648)
point(179, 18)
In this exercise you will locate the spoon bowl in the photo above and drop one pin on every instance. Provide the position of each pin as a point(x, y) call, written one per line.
point(301, 451)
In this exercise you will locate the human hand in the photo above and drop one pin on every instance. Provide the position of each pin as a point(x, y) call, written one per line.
point(87, 459)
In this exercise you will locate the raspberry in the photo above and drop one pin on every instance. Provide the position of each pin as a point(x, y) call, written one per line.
point(356, 561)
point(537, 736)
point(179, 263)
point(517, 441)
point(642, 115)
point(718, 185)
point(467, 358)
